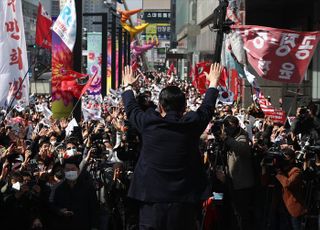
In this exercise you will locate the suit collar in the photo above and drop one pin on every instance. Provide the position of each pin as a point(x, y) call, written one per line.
point(172, 115)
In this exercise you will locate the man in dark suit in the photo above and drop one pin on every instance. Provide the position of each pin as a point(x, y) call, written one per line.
point(168, 179)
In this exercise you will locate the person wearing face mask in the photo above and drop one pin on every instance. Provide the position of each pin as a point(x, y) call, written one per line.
point(53, 140)
point(71, 149)
point(75, 201)
point(239, 169)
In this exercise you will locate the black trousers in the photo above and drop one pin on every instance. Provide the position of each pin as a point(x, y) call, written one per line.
point(242, 203)
point(167, 216)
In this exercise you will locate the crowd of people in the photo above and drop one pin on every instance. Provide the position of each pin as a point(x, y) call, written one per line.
point(245, 172)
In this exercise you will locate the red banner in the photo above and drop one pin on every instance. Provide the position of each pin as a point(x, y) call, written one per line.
point(277, 115)
point(276, 54)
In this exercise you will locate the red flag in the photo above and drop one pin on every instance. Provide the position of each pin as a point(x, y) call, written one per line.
point(234, 83)
point(43, 31)
point(135, 66)
point(200, 81)
point(88, 84)
point(279, 55)
point(75, 82)
point(171, 70)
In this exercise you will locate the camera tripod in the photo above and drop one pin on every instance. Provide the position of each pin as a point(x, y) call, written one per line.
point(269, 209)
point(312, 203)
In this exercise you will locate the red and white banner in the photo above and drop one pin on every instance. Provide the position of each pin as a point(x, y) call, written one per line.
point(277, 54)
point(13, 58)
point(277, 115)
point(43, 29)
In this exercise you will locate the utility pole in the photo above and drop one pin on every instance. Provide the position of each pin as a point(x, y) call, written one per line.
point(120, 55)
point(125, 48)
point(113, 43)
point(77, 54)
point(219, 24)
point(104, 54)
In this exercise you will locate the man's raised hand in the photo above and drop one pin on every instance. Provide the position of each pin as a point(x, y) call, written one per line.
point(127, 76)
point(214, 75)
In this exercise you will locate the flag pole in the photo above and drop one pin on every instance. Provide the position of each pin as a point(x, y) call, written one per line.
point(8, 110)
point(74, 108)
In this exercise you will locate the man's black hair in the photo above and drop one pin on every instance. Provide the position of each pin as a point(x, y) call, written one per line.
point(232, 120)
point(72, 160)
point(43, 140)
point(71, 140)
point(144, 100)
point(172, 98)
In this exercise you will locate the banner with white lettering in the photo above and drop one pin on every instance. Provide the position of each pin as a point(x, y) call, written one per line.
point(277, 115)
point(13, 58)
point(277, 54)
point(66, 24)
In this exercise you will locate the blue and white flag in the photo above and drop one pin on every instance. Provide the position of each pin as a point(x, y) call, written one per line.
point(66, 24)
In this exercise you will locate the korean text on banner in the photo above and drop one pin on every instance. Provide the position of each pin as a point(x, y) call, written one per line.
point(66, 24)
point(279, 55)
point(13, 58)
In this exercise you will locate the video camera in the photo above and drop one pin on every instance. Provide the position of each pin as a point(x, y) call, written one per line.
point(308, 153)
point(215, 144)
point(98, 150)
point(274, 159)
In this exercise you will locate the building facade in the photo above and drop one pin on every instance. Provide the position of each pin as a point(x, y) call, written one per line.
point(93, 6)
point(158, 15)
point(55, 8)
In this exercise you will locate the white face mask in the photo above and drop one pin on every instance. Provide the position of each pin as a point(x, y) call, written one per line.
point(16, 186)
point(53, 142)
point(71, 152)
point(71, 175)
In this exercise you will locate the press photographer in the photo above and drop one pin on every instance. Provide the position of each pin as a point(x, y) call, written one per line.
point(290, 177)
point(239, 170)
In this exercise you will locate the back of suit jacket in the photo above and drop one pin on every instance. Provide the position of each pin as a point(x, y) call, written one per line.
point(169, 168)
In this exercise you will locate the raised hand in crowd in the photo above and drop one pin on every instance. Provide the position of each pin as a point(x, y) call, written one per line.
point(63, 123)
point(214, 75)
point(128, 76)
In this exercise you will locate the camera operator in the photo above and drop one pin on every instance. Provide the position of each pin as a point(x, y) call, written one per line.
point(304, 125)
point(290, 178)
point(239, 169)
